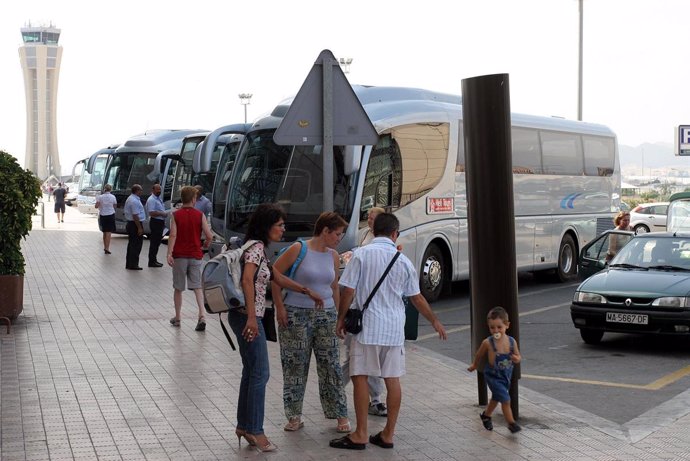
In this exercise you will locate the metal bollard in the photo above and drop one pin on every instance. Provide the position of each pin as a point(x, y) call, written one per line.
point(43, 215)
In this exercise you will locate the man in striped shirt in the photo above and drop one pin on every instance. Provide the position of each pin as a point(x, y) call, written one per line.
point(378, 350)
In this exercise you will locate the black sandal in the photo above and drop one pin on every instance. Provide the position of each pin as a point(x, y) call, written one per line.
point(347, 444)
point(486, 421)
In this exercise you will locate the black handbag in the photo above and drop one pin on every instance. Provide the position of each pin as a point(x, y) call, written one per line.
point(269, 323)
point(353, 316)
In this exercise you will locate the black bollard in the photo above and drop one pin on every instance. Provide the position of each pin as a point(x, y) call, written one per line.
point(490, 209)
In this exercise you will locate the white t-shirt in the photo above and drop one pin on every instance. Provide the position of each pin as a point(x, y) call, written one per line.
point(106, 204)
point(383, 323)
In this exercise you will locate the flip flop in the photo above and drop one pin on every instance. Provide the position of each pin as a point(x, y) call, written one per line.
point(377, 440)
point(347, 444)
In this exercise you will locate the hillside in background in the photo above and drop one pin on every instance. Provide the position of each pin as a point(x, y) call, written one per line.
point(657, 156)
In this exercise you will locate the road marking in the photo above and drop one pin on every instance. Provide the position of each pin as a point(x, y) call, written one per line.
point(653, 386)
point(532, 293)
point(467, 327)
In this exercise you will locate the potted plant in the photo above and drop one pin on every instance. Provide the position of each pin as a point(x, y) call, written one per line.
point(19, 194)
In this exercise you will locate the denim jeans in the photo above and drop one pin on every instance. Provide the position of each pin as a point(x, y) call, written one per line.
point(255, 373)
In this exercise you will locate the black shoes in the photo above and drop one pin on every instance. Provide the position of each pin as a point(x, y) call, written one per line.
point(201, 325)
point(107, 252)
point(486, 421)
point(134, 268)
point(155, 264)
point(513, 428)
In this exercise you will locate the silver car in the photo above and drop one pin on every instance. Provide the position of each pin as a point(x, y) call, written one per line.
point(649, 217)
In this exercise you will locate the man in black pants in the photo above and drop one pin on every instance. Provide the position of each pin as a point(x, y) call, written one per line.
point(135, 216)
point(156, 210)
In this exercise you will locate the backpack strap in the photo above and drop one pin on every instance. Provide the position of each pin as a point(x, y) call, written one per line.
point(298, 261)
point(225, 331)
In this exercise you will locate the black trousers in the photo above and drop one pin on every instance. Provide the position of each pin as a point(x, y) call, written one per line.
point(155, 237)
point(133, 245)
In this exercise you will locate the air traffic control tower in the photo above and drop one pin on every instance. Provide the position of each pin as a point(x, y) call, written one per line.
point(40, 58)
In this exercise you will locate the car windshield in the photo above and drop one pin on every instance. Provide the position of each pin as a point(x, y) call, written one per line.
point(661, 253)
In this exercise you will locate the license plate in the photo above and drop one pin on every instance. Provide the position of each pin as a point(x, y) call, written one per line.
point(619, 317)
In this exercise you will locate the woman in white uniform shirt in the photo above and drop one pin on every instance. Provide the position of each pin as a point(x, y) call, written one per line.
point(106, 203)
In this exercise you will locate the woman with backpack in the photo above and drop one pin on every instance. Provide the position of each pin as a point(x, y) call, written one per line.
point(265, 225)
point(304, 329)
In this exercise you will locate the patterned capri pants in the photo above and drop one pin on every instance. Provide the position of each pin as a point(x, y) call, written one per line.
point(311, 330)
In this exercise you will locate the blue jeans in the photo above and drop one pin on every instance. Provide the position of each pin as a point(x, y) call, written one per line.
point(255, 373)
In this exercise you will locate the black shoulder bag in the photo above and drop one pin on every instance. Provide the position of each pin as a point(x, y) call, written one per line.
point(353, 316)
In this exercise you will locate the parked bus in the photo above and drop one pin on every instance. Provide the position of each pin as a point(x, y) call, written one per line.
point(134, 162)
point(566, 181)
point(91, 179)
point(214, 160)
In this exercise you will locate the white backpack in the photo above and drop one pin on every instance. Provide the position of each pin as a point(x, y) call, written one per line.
point(222, 280)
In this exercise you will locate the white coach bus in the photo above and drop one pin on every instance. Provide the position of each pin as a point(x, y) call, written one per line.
point(566, 182)
point(135, 162)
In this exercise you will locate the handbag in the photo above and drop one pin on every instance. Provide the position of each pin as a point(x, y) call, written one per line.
point(354, 316)
point(269, 323)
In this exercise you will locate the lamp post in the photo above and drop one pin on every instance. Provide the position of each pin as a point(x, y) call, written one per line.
point(579, 68)
point(244, 100)
point(345, 64)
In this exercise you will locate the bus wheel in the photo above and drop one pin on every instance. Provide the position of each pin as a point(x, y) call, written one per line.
point(567, 260)
point(431, 274)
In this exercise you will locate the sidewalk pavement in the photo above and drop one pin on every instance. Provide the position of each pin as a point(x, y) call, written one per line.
point(93, 370)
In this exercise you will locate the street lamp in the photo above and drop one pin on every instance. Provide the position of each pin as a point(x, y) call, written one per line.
point(345, 64)
point(579, 67)
point(244, 100)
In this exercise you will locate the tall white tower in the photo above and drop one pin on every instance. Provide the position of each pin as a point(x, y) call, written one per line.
point(40, 57)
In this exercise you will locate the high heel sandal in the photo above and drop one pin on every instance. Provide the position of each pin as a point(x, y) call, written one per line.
point(240, 433)
point(262, 448)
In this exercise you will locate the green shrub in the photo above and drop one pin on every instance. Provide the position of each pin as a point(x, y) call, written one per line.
point(20, 191)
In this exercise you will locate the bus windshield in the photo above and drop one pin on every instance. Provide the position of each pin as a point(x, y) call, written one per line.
point(291, 176)
point(223, 171)
point(184, 176)
point(128, 169)
point(89, 182)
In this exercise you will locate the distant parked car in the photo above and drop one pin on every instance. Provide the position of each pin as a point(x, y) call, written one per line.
point(644, 289)
point(623, 206)
point(649, 217)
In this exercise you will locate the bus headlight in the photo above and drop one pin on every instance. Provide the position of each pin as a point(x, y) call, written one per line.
point(591, 298)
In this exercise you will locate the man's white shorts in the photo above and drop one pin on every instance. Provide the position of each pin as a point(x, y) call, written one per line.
point(373, 360)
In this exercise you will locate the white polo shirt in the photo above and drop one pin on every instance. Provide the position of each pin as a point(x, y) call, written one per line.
point(106, 204)
point(383, 323)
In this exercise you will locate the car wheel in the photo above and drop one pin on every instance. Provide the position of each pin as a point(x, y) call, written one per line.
point(432, 273)
point(591, 336)
point(641, 229)
point(567, 260)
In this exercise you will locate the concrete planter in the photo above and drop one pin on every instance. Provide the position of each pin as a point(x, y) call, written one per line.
point(12, 303)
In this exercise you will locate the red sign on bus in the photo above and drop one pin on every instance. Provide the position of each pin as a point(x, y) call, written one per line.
point(440, 205)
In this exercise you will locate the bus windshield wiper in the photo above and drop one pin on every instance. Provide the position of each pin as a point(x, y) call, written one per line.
point(628, 266)
point(666, 267)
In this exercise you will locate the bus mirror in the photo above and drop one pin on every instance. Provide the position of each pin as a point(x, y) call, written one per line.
point(352, 159)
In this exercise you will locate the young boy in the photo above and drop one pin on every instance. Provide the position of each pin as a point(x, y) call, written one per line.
point(503, 352)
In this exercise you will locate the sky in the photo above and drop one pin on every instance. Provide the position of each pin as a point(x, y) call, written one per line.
point(129, 66)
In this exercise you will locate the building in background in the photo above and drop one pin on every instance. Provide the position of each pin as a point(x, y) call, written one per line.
point(40, 57)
